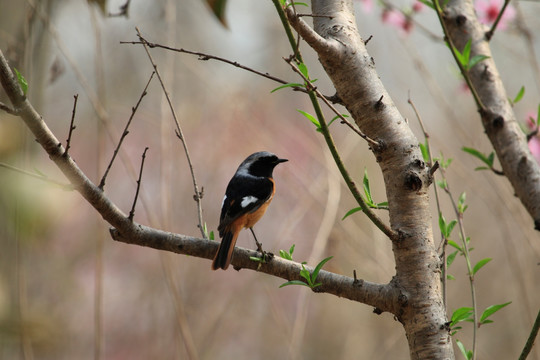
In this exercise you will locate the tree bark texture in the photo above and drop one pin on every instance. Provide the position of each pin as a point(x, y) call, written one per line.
point(498, 117)
point(343, 54)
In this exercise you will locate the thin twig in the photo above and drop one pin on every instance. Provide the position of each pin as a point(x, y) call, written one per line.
point(198, 194)
point(315, 15)
point(467, 256)
point(311, 87)
point(125, 132)
point(71, 126)
point(8, 109)
point(532, 134)
point(205, 57)
point(491, 31)
point(132, 212)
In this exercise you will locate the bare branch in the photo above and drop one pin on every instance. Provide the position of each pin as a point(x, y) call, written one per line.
point(125, 132)
point(317, 42)
point(198, 194)
point(205, 57)
point(9, 110)
point(382, 296)
point(71, 126)
point(132, 212)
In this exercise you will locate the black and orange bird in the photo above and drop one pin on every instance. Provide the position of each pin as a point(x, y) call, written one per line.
point(248, 194)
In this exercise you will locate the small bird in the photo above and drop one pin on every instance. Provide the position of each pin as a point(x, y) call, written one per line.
point(248, 194)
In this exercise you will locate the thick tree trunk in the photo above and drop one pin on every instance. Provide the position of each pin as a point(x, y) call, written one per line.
point(343, 54)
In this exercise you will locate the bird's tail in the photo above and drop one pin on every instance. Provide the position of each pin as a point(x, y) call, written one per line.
point(224, 253)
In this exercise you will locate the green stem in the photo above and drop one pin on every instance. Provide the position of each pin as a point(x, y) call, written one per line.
point(453, 50)
point(491, 31)
point(530, 341)
point(470, 273)
point(326, 132)
point(288, 30)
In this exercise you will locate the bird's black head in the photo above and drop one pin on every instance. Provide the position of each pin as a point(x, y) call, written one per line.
point(261, 163)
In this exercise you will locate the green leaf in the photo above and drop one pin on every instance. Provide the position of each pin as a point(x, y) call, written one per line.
point(350, 212)
point(367, 189)
point(287, 85)
point(466, 354)
point(538, 116)
point(428, 4)
point(218, 8)
point(336, 117)
point(480, 264)
point(455, 245)
point(319, 267)
point(424, 150)
point(491, 157)
point(212, 235)
point(450, 227)
point(446, 228)
point(450, 277)
point(490, 310)
point(442, 183)
point(294, 282)
point(450, 259)
point(303, 69)
point(291, 249)
point(22, 81)
point(310, 118)
point(461, 203)
point(461, 314)
point(298, 4)
point(475, 60)
point(463, 57)
point(285, 255)
point(519, 95)
point(382, 205)
point(478, 155)
point(256, 259)
point(466, 54)
point(481, 168)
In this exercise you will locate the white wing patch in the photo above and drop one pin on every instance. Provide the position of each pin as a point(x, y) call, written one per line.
point(223, 202)
point(246, 200)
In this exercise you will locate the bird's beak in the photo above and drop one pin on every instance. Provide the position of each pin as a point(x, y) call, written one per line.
point(281, 160)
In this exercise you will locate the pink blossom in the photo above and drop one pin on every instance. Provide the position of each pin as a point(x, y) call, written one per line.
point(534, 147)
point(367, 6)
point(417, 7)
point(488, 10)
point(534, 142)
point(397, 19)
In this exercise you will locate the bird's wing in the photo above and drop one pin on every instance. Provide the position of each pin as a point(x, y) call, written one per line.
point(244, 195)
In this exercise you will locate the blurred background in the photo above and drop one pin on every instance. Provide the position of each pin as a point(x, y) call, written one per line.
point(67, 291)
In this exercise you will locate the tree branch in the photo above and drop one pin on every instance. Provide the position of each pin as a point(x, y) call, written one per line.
point(380, 296)
point(498, 118)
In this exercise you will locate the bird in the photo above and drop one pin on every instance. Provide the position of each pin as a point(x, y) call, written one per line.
point(247, 197)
